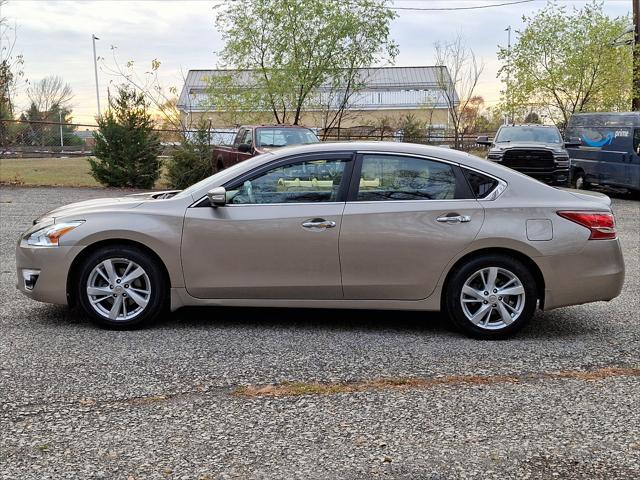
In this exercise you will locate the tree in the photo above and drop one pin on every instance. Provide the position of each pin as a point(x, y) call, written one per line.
point(50, 94)
point(470, 115)
point(127, 147)
point(192, 160)
point(457, 77)
point(412, 129)
point(11, 78)
point(39, 132)
point(291, 48)
point(568, 61)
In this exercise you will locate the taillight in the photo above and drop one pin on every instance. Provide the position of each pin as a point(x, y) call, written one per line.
point(601, 225)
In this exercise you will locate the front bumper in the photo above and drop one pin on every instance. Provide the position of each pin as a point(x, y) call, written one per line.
point(559, 177)
point(595, 274)
point(51, 264)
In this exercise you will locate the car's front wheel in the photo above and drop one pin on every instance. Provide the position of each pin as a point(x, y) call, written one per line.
point(121, 287)
point(491, 297)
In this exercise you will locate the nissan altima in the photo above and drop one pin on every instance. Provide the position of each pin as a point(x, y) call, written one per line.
point(348, 225)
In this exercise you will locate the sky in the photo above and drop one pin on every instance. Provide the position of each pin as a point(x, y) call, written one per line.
point(55, 38)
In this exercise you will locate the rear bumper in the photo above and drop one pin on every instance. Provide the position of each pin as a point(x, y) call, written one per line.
point(594, 274)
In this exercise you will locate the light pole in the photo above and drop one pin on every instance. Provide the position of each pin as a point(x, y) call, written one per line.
point(95, 67)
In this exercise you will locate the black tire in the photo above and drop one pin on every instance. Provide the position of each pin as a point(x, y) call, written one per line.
point(506, 265)
point(219, 165)
point(156, 300)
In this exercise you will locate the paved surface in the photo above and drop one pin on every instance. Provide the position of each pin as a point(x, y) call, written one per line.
point(79, 402)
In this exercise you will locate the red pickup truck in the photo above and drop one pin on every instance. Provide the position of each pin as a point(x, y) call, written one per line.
point(255, 139)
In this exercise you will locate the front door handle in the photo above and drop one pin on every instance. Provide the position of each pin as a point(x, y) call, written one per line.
point(318, 224)
point(454, 219)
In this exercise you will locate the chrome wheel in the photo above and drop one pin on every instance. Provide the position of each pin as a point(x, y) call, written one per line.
point(118, 289)
point(492, 298)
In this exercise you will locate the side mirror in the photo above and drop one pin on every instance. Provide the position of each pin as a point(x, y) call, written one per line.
point(244, 148)
point(217, 197)
point(573, 142)
point(483, 140)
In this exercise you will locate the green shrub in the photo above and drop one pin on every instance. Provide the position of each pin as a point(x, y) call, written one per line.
point(127, 147)
point(192, 160)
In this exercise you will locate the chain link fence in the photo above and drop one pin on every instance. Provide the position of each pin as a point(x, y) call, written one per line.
point(33, 139)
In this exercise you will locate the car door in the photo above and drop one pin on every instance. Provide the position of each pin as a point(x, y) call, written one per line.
point(277, 236)
point(406, 218)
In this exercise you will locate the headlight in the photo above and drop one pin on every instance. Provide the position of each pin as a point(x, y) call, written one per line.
point(48, 236)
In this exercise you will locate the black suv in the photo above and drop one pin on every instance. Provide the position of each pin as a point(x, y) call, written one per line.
point(535, 150)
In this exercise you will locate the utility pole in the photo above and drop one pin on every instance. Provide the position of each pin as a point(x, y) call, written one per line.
point(95, 67)
point(635, 105)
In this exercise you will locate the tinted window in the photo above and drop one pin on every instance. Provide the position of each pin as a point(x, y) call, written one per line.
point(281, 137)
point(310, 181)
point(390, 177)
point(481, 185)
point(528, 134)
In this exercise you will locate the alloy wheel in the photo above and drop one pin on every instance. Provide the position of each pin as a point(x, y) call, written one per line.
point(492, 298)
point(118, 289)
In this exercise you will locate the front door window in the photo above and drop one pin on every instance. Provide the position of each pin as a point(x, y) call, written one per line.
point(302, 182)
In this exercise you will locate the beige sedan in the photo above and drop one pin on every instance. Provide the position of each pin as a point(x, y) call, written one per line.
point(351, 225)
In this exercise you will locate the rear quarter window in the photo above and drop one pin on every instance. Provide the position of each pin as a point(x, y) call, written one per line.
point(481, 185)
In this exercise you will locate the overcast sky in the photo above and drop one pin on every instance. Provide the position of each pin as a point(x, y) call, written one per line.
point(55, 38)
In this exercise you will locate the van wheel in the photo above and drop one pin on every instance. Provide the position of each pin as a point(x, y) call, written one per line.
point(491, 297)
point(579, 182)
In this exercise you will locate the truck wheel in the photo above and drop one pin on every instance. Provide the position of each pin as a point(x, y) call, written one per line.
point(219, 165)
point(579, 181)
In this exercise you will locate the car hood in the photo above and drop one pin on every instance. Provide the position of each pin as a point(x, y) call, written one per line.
point(528, 145)
point(103, 204)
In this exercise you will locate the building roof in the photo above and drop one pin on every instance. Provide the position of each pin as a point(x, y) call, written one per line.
point(380, 79)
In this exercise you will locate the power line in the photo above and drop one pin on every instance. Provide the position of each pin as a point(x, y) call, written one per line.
point(474, 7)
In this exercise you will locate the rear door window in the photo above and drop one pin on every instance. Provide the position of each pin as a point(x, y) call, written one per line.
point(395, 177)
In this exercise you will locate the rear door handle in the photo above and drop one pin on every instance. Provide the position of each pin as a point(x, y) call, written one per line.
point(454, 219)
point(319, 224)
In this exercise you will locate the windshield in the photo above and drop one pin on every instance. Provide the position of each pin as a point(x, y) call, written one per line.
point(528, 134)
point(281, 137)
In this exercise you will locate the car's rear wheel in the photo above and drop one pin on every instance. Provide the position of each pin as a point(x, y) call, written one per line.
point(491, 297)
point(121, 287)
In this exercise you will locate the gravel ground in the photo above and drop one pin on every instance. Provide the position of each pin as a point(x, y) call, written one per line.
point(79, 402)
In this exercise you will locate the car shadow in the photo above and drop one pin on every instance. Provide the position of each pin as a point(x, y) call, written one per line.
point(306, 319)
point(558, 324)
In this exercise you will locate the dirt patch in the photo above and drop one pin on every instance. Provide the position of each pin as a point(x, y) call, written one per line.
point(289, 389)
